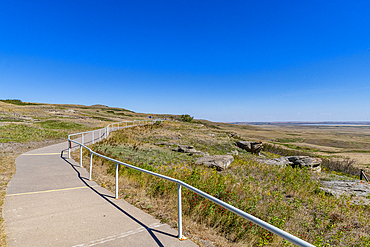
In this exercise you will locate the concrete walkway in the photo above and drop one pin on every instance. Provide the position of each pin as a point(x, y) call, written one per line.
point(50, 202)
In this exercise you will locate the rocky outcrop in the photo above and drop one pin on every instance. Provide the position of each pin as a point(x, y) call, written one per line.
point(252, 147)
point(313, 164)
point(188, 149)
point(358, 190)
point(220, 162)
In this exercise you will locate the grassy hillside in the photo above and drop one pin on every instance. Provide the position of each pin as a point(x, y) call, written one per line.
point(288, 198)
point(285, 197)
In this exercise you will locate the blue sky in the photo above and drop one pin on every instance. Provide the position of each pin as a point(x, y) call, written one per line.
point(216, 60)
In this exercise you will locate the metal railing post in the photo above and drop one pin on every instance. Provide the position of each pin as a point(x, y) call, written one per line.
point(179, 212)
point(69, 149)
point(90, 172)
point(117, 180)
point(80, 155)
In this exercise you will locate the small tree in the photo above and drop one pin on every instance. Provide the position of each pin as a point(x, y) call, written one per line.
point(187, 118)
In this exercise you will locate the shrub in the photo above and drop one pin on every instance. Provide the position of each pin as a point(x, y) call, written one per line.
point(187, 118)
point(345, 166)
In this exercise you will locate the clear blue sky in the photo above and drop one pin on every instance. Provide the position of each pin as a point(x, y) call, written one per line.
point(217, 60)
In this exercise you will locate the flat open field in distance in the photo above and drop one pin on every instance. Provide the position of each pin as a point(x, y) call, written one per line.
point(351, 141)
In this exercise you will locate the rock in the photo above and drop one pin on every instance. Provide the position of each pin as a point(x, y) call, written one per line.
point(252, 147)
point(313, 164)
point(188, 149)
point(358, 190)
point(220, 162)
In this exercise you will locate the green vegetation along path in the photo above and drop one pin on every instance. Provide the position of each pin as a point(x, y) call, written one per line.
point(51, 202)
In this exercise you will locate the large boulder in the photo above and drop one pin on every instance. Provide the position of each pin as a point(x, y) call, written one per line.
point(252, 147)
point(220, 162)
point(306, 161)
point(313, 164)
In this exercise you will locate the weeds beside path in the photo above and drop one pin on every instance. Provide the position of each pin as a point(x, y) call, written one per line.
point(7, 170)
point(285, 197)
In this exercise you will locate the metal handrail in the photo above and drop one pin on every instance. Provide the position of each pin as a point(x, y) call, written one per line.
point(287, 236)
point(364, 175)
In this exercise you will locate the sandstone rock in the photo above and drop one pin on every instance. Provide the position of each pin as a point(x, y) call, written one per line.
point(220, 162)
point(313, 164)
point(252, 147)
point(355, 188)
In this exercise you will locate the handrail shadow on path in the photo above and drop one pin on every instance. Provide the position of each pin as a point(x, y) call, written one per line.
point(105, 197)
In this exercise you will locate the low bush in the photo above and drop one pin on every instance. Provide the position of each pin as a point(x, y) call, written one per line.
point(344, 165)
point(187, 118)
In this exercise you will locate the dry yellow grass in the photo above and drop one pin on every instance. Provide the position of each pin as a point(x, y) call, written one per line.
point(7, 170)
point(196, 226)
point(329, 141)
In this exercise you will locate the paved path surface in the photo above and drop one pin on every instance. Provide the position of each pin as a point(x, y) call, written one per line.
point(50, 202)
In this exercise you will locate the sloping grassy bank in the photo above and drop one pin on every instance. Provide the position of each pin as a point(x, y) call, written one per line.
point(285, 197)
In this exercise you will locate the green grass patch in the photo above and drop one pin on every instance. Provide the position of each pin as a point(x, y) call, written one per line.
point(102, 118)
point(9, 119)
point(300, 148)
point(24, 133)
point(119, 113)
point(148, 155)
point(61, 125)
point(284, 140)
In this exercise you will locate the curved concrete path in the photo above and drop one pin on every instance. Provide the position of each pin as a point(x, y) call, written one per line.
point(50, 202)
